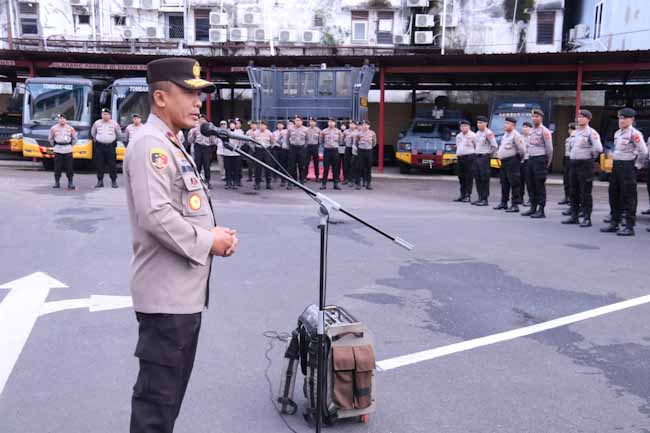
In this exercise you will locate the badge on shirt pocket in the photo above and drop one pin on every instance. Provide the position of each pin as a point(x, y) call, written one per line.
point(195, 203)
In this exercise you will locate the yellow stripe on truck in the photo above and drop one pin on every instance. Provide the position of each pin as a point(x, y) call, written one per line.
point(16, 144)
point(449, 159)
point(31, 151)
point(83, 151)
point(119, 153)
point(403, 156)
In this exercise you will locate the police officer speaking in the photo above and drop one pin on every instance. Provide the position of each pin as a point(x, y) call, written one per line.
point(174, 240)
point(62, 137)
point(105, 133)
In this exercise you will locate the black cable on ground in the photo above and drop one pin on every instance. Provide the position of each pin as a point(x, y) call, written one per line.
point(274, 336)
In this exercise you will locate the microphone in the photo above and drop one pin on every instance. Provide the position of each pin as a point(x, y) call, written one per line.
point(208, 129)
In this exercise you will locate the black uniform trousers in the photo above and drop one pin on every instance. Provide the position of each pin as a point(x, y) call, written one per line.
point(166, 349)
point(262, 155)
point(312, 156)
point(348, 166)
point(623, 193)
point(511, 180)
point(581, 181)
point(297, 157)
point(523, 175)
point(465, 168)
point(203, 158)
point(536, 179)
point(566, 178)
point(331, 159)
point(364, 166)
point(104, 154)
point(232, 165)
point(482, 175)
point(63, 161)
point(282, 155)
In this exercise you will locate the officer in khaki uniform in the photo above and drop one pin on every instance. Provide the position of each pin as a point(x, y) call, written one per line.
point(313, 140)
point(266, 139)
point(365, 141)
point(466, 152)
point(62, 137)
point(174, 240)
point(105, 133)
point(331, 138)
point(297, 138)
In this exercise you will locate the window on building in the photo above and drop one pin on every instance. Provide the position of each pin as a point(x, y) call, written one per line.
point(290, 83)
point(545, 27)
point(318, 20)
point(175, 26)
point(326, 83)
point(343, 83)
point(28, 16)
point(119, 20)
point(83, 19)
point(202, 25)
point(598, 20)
point(359, 26)
point(309, 84)
point(385, 27)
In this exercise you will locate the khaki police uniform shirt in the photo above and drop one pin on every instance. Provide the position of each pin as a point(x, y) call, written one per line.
point(313, 135)
point(585, 144)
point(171, 218)
point(568, 142)
point(540, 142)
point(62, 138)
point(280, 138)
point(297, 136)
point(129, 131)
point(512, 144)
point(265, 138)
point(349, 136)
point(486, 143)
point(331, 138)
point(105, 132)
point(195, 137)
point(629, 146)
point(366, 139)
point(465, 143)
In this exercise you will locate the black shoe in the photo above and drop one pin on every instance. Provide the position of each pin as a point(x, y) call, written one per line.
point(647, 229)
point(625, 231)
point(466, 200)
point(482, 203)
point(323, 186)
point(646, 212)
point(357, 187)
point(289, 187)
point(209, 186)
point(566, 212)
point(501, 206)
point(336, 186)
point(256, 187)
point(71, 185)
point(513, 209)
point(539, 213)
point(113, 184)
point(57, 184)
point(268, 186)
point(530, 211)
point(459, 199)
point(100, 184)
point(611, 228)
point(573, 220)
point(249, 180)
point(608, 220)
point(527, 204)
point(586, 222)
point(563, 201)
point(369, 187)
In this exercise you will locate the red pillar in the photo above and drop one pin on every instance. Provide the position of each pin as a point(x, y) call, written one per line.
point(208, 99)
point(578, 90)
point(380, 164)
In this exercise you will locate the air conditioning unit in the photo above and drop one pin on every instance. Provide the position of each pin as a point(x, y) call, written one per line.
point(424, 38)
point(417, 3)
point(311, 36)
point(130, 33)
point(400, 39)
point(422, 20)
point(131, 4)
point(258, 35)
point(151, 32)
point(287, 36)
point(79, 2)
point(250, 19)
point(582, 31)
point(218, 19)
point(237, 34)
point(150, 4)
point(218, 35)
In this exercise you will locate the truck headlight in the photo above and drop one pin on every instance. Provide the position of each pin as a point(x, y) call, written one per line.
point(17, 136)
point(406, 147)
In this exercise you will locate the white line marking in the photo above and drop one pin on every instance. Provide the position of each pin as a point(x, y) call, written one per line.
point(66, 304)
point(427, 355)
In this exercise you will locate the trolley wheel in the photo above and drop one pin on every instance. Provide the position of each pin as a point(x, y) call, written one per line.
point(363, 419)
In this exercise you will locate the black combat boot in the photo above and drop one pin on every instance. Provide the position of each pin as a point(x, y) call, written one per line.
point(611, 228)
point(563, 201)
point(482, 203)
point(513, 209)
point(57, 184)
point(539, 213)
point(501, 206)
point(573, 219)
point(71, 184)
point(531, 211)
point(100, 183)
point(626, 230)
point(646, 212)
point(113, 183)
point(586, 222)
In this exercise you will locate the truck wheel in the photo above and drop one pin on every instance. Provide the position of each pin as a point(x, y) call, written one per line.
point(404, 168)
point(603, 176)
point(48, 164)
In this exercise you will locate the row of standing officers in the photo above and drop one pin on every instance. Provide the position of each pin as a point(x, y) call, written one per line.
point(526, 156)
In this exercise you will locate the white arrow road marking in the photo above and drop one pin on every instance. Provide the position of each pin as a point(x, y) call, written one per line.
point(94, 303)
point(18, 313)
point(401, 361)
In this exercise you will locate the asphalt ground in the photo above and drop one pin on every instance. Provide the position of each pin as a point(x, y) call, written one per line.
point(474, 272)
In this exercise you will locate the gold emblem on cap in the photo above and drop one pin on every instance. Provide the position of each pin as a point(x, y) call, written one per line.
point(196, 70)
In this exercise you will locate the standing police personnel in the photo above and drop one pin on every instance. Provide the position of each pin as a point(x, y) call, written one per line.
point(174, 240)
point(313, 140)
point(297, 138)
point(252, 133)
point(62, 137)
point(130, 130)
point(566, 165)
point(349, 137)
point(331, 137)
point(466, 152)
point(540, 157)
point(239, 130)
point(105, 133)
point(220, 148)
point(523, 168)
point(629, 151)
point(585, 147)
point(486, 145)
point(266, 139)
point(203, 149)
point(366, 140)
point(510, 153)
point(281, 149)
point(232, 161)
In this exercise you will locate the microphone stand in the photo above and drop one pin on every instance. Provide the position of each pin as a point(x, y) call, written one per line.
point(325, 208)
